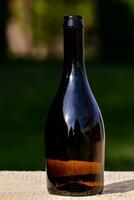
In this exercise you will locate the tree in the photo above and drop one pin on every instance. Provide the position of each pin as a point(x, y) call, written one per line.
point(3, 25)
point(116, 25)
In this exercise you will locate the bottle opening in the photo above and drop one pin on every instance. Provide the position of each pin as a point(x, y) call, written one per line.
point(73, 17)
point(73, 21)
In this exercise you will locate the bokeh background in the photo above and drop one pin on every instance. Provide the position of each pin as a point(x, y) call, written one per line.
point(31, 56)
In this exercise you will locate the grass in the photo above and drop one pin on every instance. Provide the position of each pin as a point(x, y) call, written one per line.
point(27, 89)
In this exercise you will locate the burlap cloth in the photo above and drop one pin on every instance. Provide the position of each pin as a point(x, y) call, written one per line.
point(32, 186)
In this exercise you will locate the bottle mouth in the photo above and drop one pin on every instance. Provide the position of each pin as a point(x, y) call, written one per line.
point(73, 21)
point(66, 17)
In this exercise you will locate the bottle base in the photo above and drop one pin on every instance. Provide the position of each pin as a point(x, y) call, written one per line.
point(75, 189)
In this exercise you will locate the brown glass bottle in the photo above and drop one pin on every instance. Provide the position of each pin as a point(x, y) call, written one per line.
point(74, 131)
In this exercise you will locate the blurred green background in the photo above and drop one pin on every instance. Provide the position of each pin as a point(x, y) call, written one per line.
point(31, 57)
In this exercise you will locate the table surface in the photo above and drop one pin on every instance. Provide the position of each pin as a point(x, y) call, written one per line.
point(32, 186)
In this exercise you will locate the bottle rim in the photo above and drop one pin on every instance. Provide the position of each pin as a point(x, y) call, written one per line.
point(73, 21)
point(72, 17)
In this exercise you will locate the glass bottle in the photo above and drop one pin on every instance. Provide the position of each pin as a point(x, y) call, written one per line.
point(74, 131)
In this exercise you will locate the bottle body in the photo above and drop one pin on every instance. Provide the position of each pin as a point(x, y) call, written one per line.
point(74, 137)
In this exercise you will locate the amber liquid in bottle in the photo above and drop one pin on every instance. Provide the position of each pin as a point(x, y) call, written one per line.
point(74, 131)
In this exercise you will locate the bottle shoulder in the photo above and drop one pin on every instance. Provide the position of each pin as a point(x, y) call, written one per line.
point(75, 103)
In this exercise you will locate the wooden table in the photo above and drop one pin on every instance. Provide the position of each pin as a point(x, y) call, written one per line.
point(32, 186)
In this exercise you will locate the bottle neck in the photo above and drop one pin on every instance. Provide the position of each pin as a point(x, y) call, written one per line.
point(73, 48)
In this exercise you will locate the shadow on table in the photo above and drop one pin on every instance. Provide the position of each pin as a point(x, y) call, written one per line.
point(119, 187)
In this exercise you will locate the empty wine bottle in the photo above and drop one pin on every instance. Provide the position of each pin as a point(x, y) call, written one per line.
point(74, 131)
